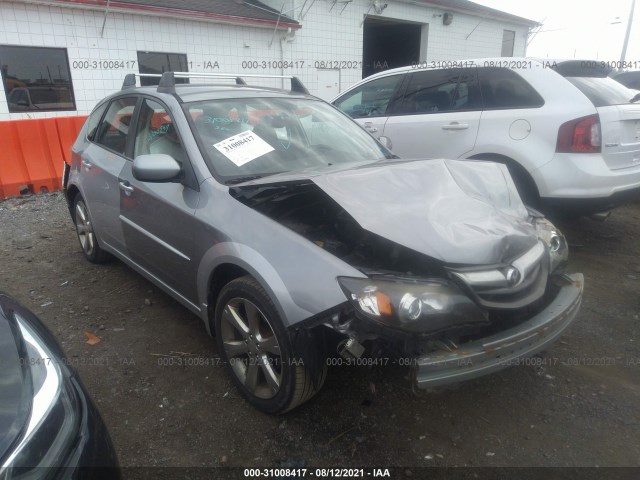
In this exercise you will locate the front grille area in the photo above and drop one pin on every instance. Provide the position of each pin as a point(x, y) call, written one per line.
point(534, 268)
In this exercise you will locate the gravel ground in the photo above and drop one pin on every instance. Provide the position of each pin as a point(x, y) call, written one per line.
point(165, 407)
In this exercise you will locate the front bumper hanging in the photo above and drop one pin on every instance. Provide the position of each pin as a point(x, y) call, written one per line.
point(493, 353)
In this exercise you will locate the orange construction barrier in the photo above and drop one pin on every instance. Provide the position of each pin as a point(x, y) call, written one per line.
point(32, 152)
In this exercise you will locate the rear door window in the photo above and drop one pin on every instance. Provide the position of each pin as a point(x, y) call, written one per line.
point(603, 92)
point(114, 128)
point(502, 89)
point(438, 91)
point(370, 99)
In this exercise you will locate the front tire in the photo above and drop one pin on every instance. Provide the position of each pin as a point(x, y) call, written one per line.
point(86, 235)
point(257, 349)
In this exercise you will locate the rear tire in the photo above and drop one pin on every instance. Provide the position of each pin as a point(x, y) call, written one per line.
point(86, 235)
point(257, 350)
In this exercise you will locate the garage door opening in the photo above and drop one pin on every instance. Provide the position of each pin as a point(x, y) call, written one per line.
point(390, 44)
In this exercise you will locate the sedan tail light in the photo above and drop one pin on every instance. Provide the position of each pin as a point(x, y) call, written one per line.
point(581, 135)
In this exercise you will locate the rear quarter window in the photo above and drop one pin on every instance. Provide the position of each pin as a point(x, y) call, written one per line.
point(94, 120)
point(113, 130)
point(502, 89)
point(602, 92)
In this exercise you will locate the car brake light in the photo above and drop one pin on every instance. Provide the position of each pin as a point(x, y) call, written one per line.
point(581, 135)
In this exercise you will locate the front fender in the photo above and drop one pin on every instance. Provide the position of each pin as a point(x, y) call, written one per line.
point(258, 267)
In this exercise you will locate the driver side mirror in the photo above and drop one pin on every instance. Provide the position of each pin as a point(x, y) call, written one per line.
point(157, 168)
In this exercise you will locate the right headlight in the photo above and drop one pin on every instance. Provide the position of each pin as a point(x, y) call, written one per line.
point(555, 242)
point(421, 307)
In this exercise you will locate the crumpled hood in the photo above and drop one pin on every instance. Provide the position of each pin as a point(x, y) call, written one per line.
point(457, 211)
point(466, 212)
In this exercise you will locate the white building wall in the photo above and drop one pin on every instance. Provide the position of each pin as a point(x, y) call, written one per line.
point(336, 35)
point(327, 35)
point(79, 30)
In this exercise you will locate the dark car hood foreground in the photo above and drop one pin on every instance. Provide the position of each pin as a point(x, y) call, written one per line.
point(15, 392)
point(68, 431)
point(456, 211)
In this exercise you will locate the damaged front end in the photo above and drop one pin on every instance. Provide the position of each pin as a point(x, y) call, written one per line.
point(475, 322)
point(459, 278)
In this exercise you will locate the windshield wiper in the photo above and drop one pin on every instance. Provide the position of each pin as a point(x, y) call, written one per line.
point(635, 98)
point(246, 178)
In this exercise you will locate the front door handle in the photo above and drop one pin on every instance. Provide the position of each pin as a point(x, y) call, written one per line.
point(455, 126)
point(87, 164)
point(128, 189)
point(368, 126)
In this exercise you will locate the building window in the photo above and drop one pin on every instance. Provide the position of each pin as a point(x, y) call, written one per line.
point(160, 62)
point(36, 79)
point(508, 39)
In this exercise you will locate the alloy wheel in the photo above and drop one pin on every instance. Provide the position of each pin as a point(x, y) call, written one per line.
point(85, 230)
point(252, 348)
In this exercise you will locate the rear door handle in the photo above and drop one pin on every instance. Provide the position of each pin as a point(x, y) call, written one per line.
point(455, 126)
point(87, 165)
point(368, 126)
point(128, 189)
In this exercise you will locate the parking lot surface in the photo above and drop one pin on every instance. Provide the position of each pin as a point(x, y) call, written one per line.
point(167, 401)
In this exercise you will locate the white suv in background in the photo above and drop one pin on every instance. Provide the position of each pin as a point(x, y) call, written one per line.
point(569, 135)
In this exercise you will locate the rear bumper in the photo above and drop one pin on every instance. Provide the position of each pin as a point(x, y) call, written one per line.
point(585, 181)
point(585, 206)
point(499, 351)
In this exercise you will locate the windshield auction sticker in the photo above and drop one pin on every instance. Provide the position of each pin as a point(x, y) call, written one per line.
point(243, 148)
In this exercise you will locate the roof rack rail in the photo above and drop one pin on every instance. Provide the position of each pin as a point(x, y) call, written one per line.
point(130, 79)
point(168, 80)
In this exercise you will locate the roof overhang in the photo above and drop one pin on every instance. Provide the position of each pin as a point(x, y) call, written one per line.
point(129, 8)
point(471, 8)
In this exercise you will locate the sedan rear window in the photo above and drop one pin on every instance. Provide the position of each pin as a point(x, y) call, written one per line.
point(603, 92)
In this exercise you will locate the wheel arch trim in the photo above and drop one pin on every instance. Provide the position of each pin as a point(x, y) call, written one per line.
point(252, 262)
point(508, 160)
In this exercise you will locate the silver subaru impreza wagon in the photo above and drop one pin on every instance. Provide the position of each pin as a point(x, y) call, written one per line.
point(298, 238)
